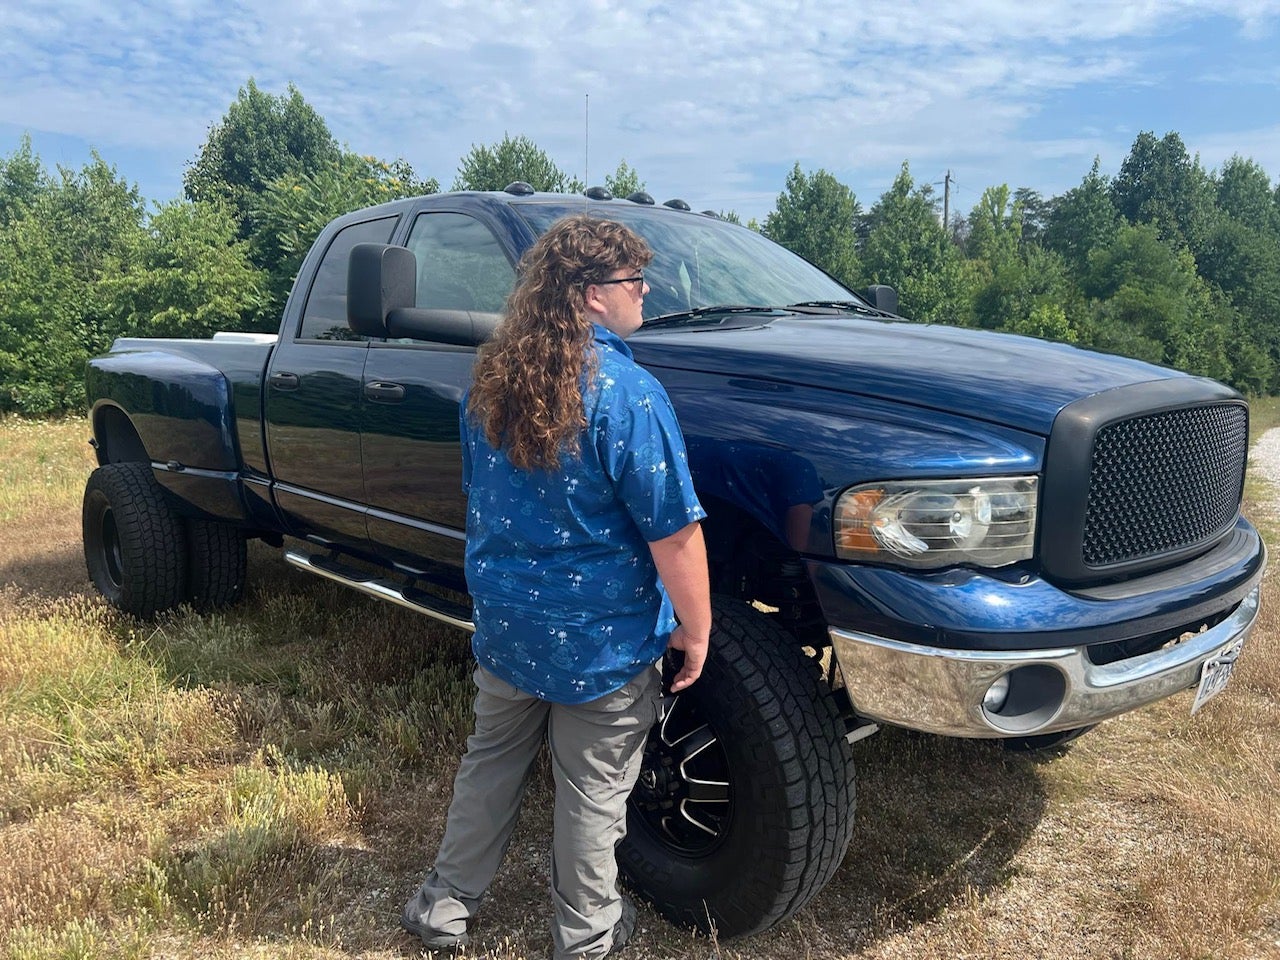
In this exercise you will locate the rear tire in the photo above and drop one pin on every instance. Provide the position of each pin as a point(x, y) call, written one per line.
point(744, 806)
point(134, 546)
point(217, 562)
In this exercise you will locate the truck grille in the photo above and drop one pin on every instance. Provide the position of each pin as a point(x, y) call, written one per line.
point(1141, 477)
point(1165, 481)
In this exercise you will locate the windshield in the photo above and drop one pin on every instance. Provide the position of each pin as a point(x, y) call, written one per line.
point(699, 261)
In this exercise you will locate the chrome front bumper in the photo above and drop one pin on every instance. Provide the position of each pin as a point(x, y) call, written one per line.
point(941, 691)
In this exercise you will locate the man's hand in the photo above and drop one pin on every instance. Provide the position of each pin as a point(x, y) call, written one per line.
point(695, 655)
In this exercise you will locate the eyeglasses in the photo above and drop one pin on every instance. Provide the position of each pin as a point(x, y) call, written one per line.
point(638, 277)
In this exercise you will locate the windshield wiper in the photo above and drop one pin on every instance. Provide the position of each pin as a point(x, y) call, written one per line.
point(689, 316)
point(857, 306)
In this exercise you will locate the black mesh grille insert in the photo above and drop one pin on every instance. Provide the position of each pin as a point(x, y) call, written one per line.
point(1164, 481)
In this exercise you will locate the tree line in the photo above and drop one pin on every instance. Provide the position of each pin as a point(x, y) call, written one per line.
point(1165, 261)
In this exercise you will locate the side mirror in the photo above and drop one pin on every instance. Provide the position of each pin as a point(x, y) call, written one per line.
point(882, 297)
point(467, 328)
point(380, 278)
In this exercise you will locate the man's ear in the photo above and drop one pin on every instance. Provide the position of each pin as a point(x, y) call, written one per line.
point(591, 299)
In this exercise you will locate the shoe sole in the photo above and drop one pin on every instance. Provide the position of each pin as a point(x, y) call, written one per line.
point(432, 940)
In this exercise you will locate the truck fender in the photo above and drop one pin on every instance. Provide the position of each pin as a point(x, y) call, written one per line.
point(165, 408)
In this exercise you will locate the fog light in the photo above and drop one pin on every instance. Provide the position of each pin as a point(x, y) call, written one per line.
point(994, 699)
point(1025, 699)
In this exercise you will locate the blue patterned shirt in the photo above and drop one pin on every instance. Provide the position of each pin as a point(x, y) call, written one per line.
point(568, 603)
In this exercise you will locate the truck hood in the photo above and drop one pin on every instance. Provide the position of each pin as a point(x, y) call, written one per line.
point(1009, 380)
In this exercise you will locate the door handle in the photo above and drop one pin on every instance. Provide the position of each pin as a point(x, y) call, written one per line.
point(284, 381)
point(382, 392)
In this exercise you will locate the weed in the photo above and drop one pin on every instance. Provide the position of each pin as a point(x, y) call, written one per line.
point(271, 780)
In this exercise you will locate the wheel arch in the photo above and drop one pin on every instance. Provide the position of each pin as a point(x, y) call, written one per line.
point(748, 562)
point(116, 438)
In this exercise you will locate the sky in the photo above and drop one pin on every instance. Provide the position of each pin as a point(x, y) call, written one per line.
point(711, 102)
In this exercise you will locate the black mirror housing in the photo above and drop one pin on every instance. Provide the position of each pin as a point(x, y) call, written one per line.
point(883, 297)
point(380, 278)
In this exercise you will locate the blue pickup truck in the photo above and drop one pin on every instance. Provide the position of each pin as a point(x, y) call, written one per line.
point(953, 531)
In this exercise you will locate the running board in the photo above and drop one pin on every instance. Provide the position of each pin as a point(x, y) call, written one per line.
point(419, 601)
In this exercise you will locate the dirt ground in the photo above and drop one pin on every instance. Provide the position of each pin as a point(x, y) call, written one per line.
point(1156, 836)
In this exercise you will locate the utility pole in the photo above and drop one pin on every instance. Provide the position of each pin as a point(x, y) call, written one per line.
point(946, 199)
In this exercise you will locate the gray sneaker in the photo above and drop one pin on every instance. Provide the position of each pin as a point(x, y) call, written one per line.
point(433, 939)
point(624, 928)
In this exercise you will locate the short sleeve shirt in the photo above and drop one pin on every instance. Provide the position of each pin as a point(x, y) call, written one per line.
point(568, 602)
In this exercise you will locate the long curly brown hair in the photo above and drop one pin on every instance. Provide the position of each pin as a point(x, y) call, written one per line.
point(527, 392)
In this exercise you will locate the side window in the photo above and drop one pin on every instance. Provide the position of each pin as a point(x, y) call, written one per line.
point(325, 316)
point(461, 266)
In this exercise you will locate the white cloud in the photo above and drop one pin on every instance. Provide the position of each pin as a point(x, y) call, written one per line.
point(1260, 144)
point(699, 97)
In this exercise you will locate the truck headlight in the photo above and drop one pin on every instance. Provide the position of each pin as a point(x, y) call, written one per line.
point(987, 522)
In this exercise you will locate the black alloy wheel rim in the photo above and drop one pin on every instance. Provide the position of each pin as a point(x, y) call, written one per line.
point(684, 796)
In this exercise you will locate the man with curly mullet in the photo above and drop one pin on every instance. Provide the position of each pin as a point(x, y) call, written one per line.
point(585, 561)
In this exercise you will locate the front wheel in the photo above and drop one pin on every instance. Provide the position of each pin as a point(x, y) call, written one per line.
point(744, 806)
point(134, 547)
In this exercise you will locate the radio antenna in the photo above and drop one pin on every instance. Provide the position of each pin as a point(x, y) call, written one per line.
point(586, 150)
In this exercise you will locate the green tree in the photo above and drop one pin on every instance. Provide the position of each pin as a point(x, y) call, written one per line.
point(1159, 183)
point(260, 139)
point(43, 340)
point(995, 227)
point(624, 181)
point(815, 216)
point(1254, 370)
point(1048, 321)
point(907, 248)
point(1081, 220)
point(1244, 195)
point(77, 230)
point(289, 214)
point(1020, 287)
point(1035, 213)
point(511, 159)
point(22, 178)
point(1243, 262)
point(191, 276)
point(1151, 304)
point(1020, 291)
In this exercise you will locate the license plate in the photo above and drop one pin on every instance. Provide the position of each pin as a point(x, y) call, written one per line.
point(1215, 673)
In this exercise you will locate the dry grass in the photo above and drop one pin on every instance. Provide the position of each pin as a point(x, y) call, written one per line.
point(273, 780)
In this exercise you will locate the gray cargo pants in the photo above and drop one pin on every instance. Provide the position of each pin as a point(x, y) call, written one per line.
point(596, 750)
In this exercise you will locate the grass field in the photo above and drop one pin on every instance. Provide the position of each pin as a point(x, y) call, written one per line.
point(272, 782)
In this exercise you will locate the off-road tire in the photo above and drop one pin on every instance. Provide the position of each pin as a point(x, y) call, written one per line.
point(217, 563)
point(134, 546)
point(787, 776)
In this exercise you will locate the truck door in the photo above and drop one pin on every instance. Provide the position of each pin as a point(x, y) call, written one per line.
point(313, 396)
point(412, 389)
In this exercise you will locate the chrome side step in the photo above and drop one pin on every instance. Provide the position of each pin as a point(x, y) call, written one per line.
point(419, 601)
